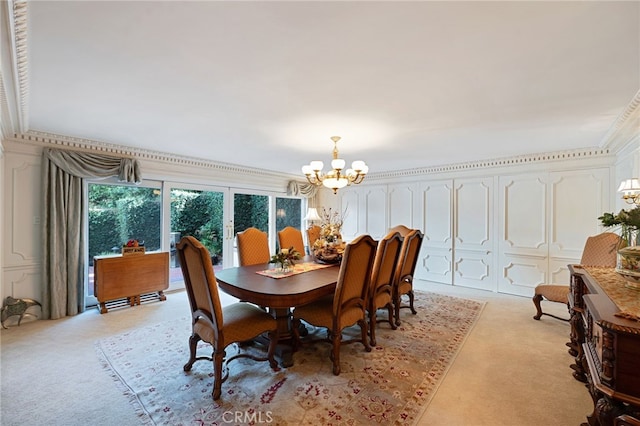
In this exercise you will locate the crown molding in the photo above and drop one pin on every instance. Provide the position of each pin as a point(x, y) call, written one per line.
point(557, 156)
point(19, 58)
point(58, 141)
point(6, 128)
point(626, 128)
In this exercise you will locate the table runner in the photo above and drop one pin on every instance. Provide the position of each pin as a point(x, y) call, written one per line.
point(299, 268)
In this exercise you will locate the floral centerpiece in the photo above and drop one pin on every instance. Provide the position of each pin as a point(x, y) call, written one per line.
point(628, 260)
point(329, 247)
point(286, 258)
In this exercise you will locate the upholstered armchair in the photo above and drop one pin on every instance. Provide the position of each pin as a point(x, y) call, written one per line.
point(599, 250)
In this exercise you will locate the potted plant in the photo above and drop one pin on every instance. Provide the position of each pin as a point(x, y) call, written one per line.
point(628, 258)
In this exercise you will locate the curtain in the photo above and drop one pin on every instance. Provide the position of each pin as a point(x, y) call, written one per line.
point(307, 190)
point(63, 221)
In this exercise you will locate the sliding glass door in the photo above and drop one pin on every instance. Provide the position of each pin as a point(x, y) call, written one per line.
point(199, 213)
point(267, 213)
point(118, 213)
point(160, 213)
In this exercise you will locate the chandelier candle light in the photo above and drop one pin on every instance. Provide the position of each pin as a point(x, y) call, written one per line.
point(335, 178)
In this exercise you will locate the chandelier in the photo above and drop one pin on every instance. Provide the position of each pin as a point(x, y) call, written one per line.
point(336, 178)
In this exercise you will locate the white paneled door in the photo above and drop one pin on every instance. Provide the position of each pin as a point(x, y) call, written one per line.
point(436, 255)
point(473, 229)
point(544, 221)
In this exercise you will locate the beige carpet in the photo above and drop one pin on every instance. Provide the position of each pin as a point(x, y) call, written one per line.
point(511, 370)
point(390, 385)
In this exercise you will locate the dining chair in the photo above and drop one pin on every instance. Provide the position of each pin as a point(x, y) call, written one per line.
point(405, 268)
point(218, 326)
point(291, 237)
point(348, 305)
point(253, 247)
point(313, 235)
point(403, 230)
point(382, 275)
point(599, 250)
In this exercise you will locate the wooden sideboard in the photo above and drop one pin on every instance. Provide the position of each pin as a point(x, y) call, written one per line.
point(605, 340)
point(120, 277)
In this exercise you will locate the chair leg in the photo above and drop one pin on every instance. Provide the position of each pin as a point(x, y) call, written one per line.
point(193, 343)
point(411, 297)
point(372, 326)
point(390, 314)
point(364, 334)
point(396, 308)
point(536, 301)
point(218, 358)
point(336, 339)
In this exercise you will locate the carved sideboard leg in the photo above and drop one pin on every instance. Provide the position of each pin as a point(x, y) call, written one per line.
point(607, 410)
point(577, 329)
point(573, 344)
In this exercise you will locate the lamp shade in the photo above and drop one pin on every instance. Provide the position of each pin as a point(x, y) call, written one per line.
point(312, 214)
point(335, 183)
point(629, 186)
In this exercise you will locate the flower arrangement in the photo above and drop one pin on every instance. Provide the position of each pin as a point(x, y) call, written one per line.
point(628, 256)
point(329, 247)
point(286, 258)
point(628, 222)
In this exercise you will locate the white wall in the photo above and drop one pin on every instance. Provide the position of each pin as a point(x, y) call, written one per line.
point(504, 228)
point(547, 206)
point(21, 204)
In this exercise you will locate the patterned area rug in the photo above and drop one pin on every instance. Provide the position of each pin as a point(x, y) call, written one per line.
point(392, 384)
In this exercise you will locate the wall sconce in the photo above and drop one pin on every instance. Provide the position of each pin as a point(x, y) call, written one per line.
point(630, 189)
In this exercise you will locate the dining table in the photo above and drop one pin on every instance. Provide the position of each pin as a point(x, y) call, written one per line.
point(278, 292)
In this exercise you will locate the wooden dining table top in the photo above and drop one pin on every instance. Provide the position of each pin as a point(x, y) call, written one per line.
point(247, 285)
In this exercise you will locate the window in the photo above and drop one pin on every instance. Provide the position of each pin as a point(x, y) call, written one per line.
point(116, 214)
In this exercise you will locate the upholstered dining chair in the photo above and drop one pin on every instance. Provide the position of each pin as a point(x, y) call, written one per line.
point(218, 326)
point(599, 250)
point(291, 237)
point(313, 235)
point(347, 306)
point(403, 230)
point(253, 247)
point(403, 281)
point(382, 277)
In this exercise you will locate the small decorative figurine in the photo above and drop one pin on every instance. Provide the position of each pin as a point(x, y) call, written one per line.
point(13, 307)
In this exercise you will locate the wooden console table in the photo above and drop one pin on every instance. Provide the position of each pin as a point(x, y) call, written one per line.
point(119, 277)
point(605, 340)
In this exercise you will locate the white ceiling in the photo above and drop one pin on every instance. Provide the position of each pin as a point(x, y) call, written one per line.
point(265, 84)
